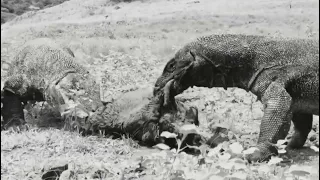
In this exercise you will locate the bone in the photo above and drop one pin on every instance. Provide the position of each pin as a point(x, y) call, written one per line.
point(166, 92)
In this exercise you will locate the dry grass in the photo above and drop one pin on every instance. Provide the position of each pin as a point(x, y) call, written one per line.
point(129, 46)
point(55, 148)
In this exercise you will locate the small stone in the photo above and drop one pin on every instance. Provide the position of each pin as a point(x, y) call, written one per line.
point(65, 175)
point(313, 137)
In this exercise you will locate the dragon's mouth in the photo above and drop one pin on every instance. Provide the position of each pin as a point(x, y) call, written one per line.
point(170, 90)
point(176, 86)
point(198, 73)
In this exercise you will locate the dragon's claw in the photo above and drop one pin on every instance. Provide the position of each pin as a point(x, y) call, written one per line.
point(262, 153)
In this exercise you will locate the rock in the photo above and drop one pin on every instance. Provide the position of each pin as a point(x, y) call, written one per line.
point(217, 139)
point(4, 10)
point(34, 7)
point(66, 175)
point(313, 137)
point(54, 173)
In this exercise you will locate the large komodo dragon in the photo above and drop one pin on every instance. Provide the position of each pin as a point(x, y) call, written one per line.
point(43, 71)
point(282, 73)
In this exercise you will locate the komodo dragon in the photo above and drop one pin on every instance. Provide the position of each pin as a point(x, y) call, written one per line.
point(44, 71)
point(141, 116)
point(282, 73)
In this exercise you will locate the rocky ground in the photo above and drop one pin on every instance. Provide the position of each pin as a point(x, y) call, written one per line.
point(127, 45)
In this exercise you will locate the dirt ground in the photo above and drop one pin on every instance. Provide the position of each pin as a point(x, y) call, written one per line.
point(128, 44)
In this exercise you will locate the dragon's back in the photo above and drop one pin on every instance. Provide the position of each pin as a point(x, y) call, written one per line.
point(43, 61)
point(256, 51)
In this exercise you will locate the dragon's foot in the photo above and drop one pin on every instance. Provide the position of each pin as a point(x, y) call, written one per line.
point(262, 153)
point(302, 127)
point(297, 140)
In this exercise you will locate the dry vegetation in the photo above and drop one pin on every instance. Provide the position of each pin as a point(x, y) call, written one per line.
point(128, 44)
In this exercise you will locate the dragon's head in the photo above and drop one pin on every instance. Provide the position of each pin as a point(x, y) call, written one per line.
point(190, 68)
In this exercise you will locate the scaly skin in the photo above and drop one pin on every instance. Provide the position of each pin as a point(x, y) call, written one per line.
point(282, 73)
point(42, 71)
point(141, 116)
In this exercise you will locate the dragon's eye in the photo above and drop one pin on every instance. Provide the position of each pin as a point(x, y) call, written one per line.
point(171, 67)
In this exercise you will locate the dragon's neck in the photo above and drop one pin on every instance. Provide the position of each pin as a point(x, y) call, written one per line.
point(239, 77)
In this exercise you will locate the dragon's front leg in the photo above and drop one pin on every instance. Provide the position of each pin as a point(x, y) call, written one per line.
point(12, 108)
point(12, 112)
point(276, 121)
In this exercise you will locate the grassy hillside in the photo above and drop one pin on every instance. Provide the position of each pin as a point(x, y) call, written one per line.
point(129, 44)
point(13, 8)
